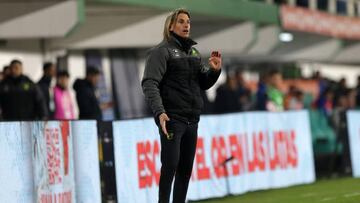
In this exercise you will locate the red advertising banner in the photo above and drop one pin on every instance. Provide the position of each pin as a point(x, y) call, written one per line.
point(279, 153)
point(312, 21)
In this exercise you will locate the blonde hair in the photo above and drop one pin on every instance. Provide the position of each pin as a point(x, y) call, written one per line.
point(171, 19)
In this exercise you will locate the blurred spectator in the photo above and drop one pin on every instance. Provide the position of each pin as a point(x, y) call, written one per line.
point(323, 83)
point(64, 108)
point(339, 122)
point(261, 97)
point(302, 3)
point(275, 96)
point(325, 102)
point(358, 93)
point(244, 93)
point(289, 96)
point(20, 98)
point(227, 96)
point(294, 99)
point(6, 71)
point(322, 5)
point(340, 88)
point(1, 79)
point(299, 95)
point(86, 96)
point(352, 98)
point(280, 1)
point(44, 83)
point(341, 7)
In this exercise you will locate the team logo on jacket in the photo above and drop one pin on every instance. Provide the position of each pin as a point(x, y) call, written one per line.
point(176, 53)
point(194, 52)
point(26, 86)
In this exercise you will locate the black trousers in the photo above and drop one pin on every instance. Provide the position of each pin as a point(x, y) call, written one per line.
point(177, 158)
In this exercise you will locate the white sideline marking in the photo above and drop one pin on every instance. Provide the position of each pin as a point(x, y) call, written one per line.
point(352, 194)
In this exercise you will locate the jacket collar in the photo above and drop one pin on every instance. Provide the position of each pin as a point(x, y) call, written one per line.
point(184, 44)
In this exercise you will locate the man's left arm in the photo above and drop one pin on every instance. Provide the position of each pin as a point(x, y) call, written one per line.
point(211, 72)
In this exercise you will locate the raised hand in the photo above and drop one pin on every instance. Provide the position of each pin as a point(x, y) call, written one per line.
point(215, 60)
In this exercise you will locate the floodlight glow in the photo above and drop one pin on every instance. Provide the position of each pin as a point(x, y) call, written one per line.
point(286, 37)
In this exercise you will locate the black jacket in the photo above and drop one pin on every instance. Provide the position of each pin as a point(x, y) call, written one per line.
point(227, 100)
point(44, 85)
point(87, 101)
point(173, 77)
point(21, 99)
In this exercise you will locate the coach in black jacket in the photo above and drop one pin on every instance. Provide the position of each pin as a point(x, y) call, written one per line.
point(173, 77)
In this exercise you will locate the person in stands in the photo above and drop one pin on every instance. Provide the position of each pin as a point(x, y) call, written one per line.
point(86, 96)
point(20, 97)
point(64, 107)
point(45, 84)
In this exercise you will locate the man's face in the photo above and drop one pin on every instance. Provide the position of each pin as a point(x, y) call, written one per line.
point(276, 80)
point(16, 70)
point(94, 79)
point(7, 72)
point(51, 71)
point(343, 101)
point(181, 25)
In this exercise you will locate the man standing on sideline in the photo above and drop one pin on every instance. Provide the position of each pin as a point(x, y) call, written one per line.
point(173, 78)
point(46, 86)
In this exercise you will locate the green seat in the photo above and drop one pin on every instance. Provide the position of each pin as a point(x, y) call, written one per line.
point(323, 136)
point(308, 100)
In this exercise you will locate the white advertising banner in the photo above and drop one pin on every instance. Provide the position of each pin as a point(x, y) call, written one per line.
point(353, 118)
point(235, 153)
point(54, 161)
point(16, 175)
point(86, 160)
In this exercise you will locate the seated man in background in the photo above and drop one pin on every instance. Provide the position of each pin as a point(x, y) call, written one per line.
point(20, 98)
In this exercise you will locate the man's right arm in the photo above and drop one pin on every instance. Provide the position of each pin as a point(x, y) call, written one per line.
point(155, 68)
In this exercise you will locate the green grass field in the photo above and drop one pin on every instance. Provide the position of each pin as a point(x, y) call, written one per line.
point(344, 190)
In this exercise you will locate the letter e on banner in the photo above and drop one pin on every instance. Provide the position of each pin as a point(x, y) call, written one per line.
point(147, 154)
point(203, 171)
point(236, 149)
